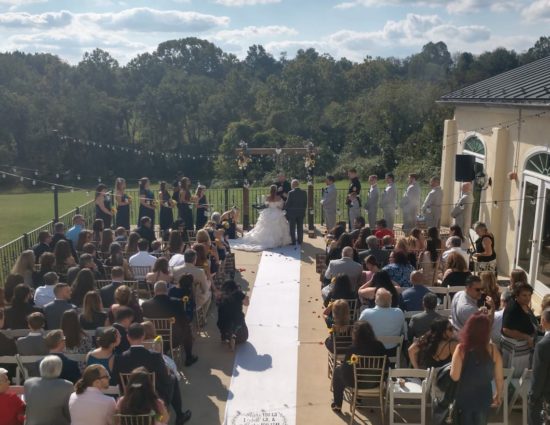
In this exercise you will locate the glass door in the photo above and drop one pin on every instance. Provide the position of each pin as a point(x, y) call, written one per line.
point(528, 219)
point(542, 274)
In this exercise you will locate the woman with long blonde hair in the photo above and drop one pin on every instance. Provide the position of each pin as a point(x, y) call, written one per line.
point(24, 266)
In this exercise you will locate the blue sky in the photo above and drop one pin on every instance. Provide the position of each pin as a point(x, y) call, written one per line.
point(342, 28)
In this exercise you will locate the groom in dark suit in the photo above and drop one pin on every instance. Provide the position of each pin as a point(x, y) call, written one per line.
point(540, 384)
point(295, 207)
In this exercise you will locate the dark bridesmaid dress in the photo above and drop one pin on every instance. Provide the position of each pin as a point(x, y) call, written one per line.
point(166, 218)
point(202, 212)
point(186, 211)
point(107, 219)
point(123, 214)
point(146, 212)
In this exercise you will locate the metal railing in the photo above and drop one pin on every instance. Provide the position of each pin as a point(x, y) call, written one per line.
point(219, 200)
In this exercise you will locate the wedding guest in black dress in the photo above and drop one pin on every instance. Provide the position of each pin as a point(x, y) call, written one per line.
point(103, 205)
point(229, 223)
point(123, 202)
point(201, 207)
point(146, 201)
point(166, 217)
point(185, 205)
point(231, 321)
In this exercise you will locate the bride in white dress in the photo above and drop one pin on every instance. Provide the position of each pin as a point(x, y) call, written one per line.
point(271, 229)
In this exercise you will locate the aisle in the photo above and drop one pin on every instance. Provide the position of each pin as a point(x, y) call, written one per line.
point(263, 385)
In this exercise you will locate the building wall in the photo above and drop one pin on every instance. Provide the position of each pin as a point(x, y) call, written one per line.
point(506, 143)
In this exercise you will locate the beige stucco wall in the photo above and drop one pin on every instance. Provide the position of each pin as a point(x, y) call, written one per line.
point(498, 129)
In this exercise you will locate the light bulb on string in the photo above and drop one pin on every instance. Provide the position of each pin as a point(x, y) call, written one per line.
point(14, 170)
point(78, 176)
point(21, 179)
point(34, 182)
point(99, 179)
point(3, 175)
point(53, 187)
point(36, 172)
point(56, 175)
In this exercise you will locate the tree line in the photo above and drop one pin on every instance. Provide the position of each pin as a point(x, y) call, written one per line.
point(189, 97)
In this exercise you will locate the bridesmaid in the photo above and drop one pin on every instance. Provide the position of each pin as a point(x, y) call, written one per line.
point(176, 197)
point(185, 204)
point(201, 205)
point(103, 206)
point(166, 218)
point(146, 201)
point(123, 204)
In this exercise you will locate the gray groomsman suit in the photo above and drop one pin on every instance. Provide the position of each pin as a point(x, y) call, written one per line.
point(389, 200)
point(540, 383)
point(410, 203)
point(462, 212)
point(371, 206)
point(431, 209)
point(47, 401)
point(329, 206)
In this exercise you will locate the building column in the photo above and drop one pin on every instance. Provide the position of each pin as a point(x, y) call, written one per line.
point(450, 143)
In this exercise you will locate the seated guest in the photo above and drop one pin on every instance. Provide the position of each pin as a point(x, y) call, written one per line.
point(93, 316)
point(124, 297)
point(123, 319)
point(99, 270)
point(11, 405)
point(83, 283)
point(420, 323)
point(388, 243)
point(339, 288)
point(138, 356)
point(54, 311)
point(360, 234)
point(7, 345)
point(33, 344)
point(231, 321)
point(456, 272)
point(516, 276)
point(381, 255)
point(385, 319)
point(86, 261)
point(9, 286)
point(43, 245)
point(175, 248)
point(142, 258)
point(183, 289)
point(371, 267)
point(333, 235)
point(455, 245)
point(64, 256)
point(140, 398)
point(107, 340)
point(44, 294)
point(455, 230)
point(505, 299)
point(203, 289)
point(84, 237)
point(76, 340)
point(344, 265)
point(465, 303)
point(379, 280)
point(490, 287)
point(79, 224)
point(411, 298)
point(108, 292)
point(59, 235)
point(107, 238)
point(47, 397)
point(116, 259)
point(358, 224)
point(161, 271)
point(55, 341)
point(88, 405)
point(399, 269)
point(364, 343)
point(132, 244)
point(337, 317)
point(24, 266)
point(121, 235)
point(429, 261)
point(162, 306)
point(435, 348)
point(145, 230)
point(47, 265)
point(381, 230)
point(21, 307)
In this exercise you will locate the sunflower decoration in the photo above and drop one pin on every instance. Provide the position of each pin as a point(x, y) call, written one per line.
point(243, 159)
point(113, 211)
point(330, 331)
point(154, 203)
point(129, 198)
point(185, 300)
point(309, 161)
point(225, 224)
point(354, 359)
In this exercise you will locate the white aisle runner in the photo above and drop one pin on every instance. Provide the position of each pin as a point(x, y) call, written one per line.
point(263, 386)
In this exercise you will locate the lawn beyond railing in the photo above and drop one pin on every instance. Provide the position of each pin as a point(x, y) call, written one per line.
point(219, 200)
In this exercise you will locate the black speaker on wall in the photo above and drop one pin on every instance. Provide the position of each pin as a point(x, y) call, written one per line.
point(464, 168)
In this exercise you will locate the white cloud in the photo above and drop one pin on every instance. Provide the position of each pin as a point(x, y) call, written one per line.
point(537, 11)
point(239, 3)
point(453, 6)
point(48, 19)
point(254, 32)
point(20, 2)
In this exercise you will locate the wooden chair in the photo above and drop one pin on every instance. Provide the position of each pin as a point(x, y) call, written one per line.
point(369, 384)
point(229, 265)
point(165, 328)
point(353, 306)
point(399, 388)
point(124, 377)
point(320, 265)
point(502, 411)
point(398, 341)
point(451, 291)
point(134, 419)
point(341, 341)
point(139, 272)
point(441, 292)
point(102, 283)
point(191, 236)
point(521, 390)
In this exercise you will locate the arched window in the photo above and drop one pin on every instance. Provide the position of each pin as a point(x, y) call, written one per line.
point(475, 146)
point(539, 163)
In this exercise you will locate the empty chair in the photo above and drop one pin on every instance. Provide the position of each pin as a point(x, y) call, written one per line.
point(401, 387)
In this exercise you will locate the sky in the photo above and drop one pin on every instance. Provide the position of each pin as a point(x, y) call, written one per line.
point(352, 29)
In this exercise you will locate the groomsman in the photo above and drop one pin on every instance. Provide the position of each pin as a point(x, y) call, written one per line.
point(410, 203)
point(353, 202)
point(462, 212)
point(431, 209)
point(371, 206)
point(389, 201)
point(329, 203)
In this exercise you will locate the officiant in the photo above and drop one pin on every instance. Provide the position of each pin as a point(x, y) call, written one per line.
point(283, 186)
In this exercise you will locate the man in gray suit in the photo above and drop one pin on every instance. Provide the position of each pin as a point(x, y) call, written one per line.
point(389, 201)
point(328, 202)
point(344, 265)
point(431, 209)
point(410, 203)
point(295, 207)
point(371, 206)
point(54, 310)
point(33, 344)
point(47, 397)
point(540, 383)
point(462, 212)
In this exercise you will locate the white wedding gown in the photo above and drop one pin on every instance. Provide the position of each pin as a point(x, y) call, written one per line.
point(271, 230)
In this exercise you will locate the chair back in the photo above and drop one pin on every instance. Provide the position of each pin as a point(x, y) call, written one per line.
point(139, 272)
point(123, 379)
point(341, 340)
point(164, 328)
point(320, 265)
point(369, 371)
point(134, 419)
point(398, 342)
point(102, 283)
point(353, 309)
